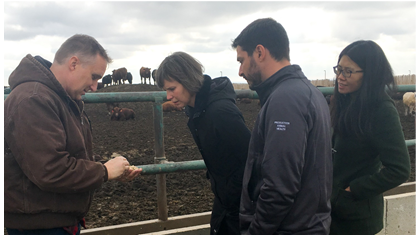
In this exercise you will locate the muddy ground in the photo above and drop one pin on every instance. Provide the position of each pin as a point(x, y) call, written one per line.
point(187, 192)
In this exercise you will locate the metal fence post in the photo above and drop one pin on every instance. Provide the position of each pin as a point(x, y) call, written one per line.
point(160, 159)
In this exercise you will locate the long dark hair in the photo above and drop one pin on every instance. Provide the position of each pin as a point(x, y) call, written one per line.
point(352, 114)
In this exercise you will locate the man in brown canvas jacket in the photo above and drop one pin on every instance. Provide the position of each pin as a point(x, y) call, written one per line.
point(50, 171)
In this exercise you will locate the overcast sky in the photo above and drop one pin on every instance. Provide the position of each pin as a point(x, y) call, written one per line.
point(137, 33)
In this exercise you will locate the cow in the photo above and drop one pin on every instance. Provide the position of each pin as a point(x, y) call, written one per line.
point(122, 114)
point(144, 73)
point(100, 85)
point(110, 106)
point(118, 74)
point(396, 95)
point(245, 100)
point(169, 106)
point(409, 100)
point(154, 76)
point(129, 78)
point(107, 79)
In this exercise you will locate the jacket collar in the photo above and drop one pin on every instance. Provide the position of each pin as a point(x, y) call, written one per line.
point(212, 90)
point(265, 88)
point(202, 97)
point(37, 69)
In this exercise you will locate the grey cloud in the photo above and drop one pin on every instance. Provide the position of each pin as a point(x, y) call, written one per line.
point(50, 18)
point(155, 23)
point(105, 18)
point(366, 7)
point(155, 19)
point(204, 48)
point(351, 26)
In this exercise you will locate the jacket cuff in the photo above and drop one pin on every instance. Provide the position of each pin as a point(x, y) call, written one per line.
point(106, 173)
point(98, 158)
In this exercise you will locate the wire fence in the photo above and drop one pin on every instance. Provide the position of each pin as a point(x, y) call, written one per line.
point(405, 79)
point(399, 79)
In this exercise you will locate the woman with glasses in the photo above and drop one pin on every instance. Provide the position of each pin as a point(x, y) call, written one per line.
point(369, 151)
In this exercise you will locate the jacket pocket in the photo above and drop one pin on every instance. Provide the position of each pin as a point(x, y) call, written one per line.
point(232, 192)
point(347, 208)
point(244, 222)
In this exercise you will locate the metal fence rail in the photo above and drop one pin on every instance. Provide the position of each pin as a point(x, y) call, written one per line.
point(162, 166)
point(171, 167)
point(150, 96)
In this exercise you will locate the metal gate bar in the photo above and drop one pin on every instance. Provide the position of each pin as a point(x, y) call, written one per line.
point(162, 166)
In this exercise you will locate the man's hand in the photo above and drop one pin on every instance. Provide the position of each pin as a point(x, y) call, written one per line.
point(129, 174)
point(116, 167)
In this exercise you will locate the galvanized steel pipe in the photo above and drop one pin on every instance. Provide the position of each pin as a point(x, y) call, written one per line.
point(194, 165)
point(150, 96)
point(410, 142)
point(171, 167)
point(159, 159)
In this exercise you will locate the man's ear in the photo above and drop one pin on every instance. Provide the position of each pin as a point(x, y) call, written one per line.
point(72, 62)
point(261, 52)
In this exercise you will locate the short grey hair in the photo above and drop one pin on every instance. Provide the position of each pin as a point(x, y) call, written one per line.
point(83, 46)
point(182, 68)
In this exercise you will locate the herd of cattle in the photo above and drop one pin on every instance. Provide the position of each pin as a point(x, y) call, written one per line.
point(120, 75)
point(124, 114)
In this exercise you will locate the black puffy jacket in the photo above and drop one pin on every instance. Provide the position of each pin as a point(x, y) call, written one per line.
point(222, 137)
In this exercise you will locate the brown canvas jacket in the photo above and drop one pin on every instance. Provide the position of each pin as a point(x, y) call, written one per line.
point(50, 173)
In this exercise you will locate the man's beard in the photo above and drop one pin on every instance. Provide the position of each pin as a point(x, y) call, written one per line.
point(254, 78)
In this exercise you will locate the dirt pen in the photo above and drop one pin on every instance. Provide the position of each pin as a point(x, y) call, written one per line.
point(188, 192)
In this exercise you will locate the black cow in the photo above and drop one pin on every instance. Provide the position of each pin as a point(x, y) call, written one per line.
point(100, 85)
point(107, 79)
point(154, 76)
point(130, 78)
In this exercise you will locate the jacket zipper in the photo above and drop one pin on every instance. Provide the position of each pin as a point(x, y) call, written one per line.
point(82, 123)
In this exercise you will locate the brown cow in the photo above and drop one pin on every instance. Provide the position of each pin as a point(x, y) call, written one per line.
point(169, 106)
point(144, 73)
point(245, 100)
point(122, 114)
point(118, 74)
point(110, 106)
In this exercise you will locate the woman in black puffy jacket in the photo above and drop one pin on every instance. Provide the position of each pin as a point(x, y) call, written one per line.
point(218, 129)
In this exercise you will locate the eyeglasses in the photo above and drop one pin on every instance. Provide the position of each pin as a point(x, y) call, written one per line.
point(346, 73)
